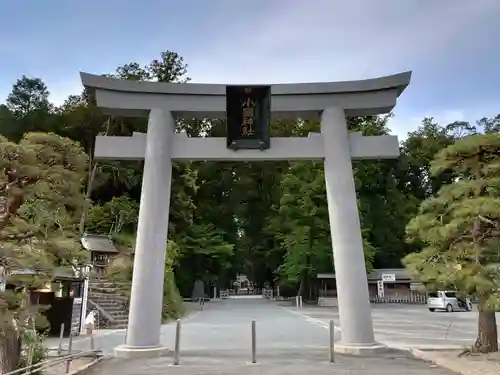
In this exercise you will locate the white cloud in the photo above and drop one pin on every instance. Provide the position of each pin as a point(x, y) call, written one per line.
point(319, 40)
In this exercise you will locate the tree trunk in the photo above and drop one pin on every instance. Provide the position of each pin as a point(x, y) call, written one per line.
point(88, 200)
point(10, 349)
point(92, 173)
point(303, 278)
point(300, 292)
point(487, 335)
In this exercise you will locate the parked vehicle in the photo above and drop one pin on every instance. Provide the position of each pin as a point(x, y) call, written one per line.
point(447, 300)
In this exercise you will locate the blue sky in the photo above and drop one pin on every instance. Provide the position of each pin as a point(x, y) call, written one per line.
point(450, 45)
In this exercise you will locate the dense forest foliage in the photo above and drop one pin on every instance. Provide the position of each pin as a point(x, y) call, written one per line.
point(265, 219)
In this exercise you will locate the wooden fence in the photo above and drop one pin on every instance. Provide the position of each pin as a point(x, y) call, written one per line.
point(411, 298)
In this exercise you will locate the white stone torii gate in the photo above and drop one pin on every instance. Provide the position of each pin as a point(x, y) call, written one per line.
point(331, 102)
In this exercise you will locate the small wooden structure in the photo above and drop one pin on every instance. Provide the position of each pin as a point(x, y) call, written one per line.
point(62, 295)
point(400, 285)
point(101, 248)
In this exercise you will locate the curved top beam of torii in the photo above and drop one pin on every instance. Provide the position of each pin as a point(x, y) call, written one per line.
point(291, 100)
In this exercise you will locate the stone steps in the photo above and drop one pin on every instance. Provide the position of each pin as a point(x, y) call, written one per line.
point(108, 304)
point(103, 290)
point(108, 296)
point(116, 313)
point(107, 284)
point(113, 311)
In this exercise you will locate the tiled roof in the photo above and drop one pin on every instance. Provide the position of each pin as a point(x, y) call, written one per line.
point(95, 242)
point(58, 273)
point(400, 273)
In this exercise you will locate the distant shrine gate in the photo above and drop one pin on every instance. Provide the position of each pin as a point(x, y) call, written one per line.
point(248, 110)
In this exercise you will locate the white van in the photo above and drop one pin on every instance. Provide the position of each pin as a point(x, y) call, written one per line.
point(447, 300)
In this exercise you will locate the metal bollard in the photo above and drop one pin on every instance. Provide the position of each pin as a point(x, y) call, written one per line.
point(92, 343)
point(332, 342)
point(254, 345)
point(177, 342)
point(70, 349)
point(30, 356)
point(61, 336)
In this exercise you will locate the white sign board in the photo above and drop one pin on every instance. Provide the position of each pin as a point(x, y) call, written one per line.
point(380, 288)
point(415, 286)
point(388, 277)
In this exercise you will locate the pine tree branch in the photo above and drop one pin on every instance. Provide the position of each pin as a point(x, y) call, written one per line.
point(489, 221)
point(9, 210)
point(16, 237)
point(433, 259)
point(495, 234)
point(14, 199)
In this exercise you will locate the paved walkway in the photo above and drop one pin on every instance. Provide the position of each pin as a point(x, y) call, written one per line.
point(218, 341)
point(410, 326)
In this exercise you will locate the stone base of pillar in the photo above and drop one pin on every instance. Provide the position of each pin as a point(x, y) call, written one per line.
point(131, 352)
point(365, 349)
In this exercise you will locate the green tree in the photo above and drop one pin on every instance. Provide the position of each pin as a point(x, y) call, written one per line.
point(302, 226)
point(169, 68)
point(204, 253)
point(408, 181)
point(8, 124)
point(29, 107)
point(28, 95)
point(418, 151)
point(384, 208)
point(490, 125)
point(118, 215)
point(40, 200)
point(252, 192)
point(82, 121)
point(460, 230)
point(132, 72)
point(173, 306)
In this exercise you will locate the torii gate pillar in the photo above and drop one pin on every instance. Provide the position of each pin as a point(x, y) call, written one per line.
point(347, 241)
point(331, 101)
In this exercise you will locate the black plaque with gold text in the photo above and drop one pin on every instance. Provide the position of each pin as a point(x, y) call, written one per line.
point(248, 110)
